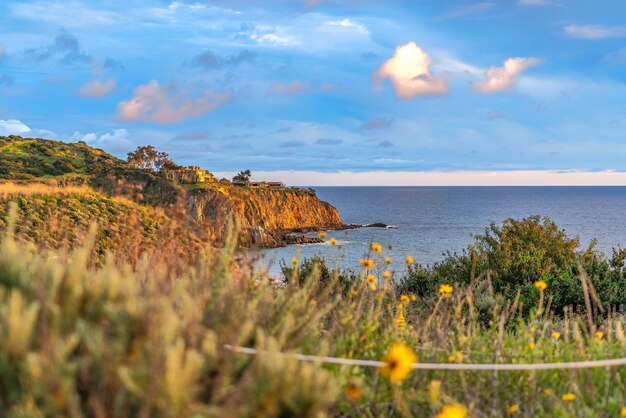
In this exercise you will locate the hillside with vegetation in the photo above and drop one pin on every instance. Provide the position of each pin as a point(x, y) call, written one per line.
point(29, 158)
point(266, 216)
point(61, 218)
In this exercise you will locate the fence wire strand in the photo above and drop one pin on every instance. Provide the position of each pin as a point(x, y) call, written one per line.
point(587, 364)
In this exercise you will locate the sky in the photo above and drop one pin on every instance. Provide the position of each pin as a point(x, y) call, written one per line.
point(329, 92)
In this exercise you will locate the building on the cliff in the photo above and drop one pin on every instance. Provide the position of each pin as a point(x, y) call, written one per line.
point(193, 174)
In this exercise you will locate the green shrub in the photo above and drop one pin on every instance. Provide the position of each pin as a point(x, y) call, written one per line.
point(318, 268)
point(521, 252)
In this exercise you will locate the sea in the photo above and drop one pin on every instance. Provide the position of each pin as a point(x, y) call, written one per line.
point(428, 222)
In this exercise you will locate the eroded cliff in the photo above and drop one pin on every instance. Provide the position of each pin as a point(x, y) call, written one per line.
point(265, 216)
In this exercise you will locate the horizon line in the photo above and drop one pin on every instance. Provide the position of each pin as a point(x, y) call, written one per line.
point(465, 178)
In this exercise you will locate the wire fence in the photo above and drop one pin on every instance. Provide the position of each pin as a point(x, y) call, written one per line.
point(587, 364)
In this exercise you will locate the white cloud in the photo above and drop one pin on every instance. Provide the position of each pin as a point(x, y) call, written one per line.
point(595, 31)
point(13, 127)
point(311, 32)
point(273, 39)
point(498, 79)
point(267, 35)
point(410, 74)
point(347, 23)
point(97, 88)
point(17, 127)
point(451, 64)
point(167, 104)
point(117, 142)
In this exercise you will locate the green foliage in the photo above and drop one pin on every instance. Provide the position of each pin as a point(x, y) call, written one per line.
point(511, 257)
point(317, 267)
point(521, 252)
point(140, 186)
point(28, 158)
point(422, 280)
point(242, 177)
point(149, 159)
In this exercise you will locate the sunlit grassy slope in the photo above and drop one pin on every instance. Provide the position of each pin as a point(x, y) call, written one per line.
point(27, 158)
point(53, 217)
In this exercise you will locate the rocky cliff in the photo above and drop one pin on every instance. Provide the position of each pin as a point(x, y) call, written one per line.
point(265, 216)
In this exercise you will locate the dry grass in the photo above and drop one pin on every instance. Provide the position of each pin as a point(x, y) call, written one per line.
point(11, 189)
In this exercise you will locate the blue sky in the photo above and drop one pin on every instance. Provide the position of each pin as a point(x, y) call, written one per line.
point(352, 92)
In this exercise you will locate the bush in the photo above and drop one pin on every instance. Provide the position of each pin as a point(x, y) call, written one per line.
point(521, 252)
point(316, 267)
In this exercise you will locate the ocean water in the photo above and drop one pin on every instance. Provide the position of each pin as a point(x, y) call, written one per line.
point(429, 221)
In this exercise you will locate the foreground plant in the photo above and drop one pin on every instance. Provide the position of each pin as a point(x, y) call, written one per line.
point(156, 340)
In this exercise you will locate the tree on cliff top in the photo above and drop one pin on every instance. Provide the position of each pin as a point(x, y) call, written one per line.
point(149, 159)
point(242, 177)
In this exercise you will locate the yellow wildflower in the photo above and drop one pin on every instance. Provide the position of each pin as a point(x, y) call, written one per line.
point(367, 263)
point(556, 335)
point(445, 290)
point(387, 275)
point(409, 259)
point(388, 260)
point(547, 392)
point(434, 391)
point(294, 261)
point(404, 299)
point(599, 335)
point(622, 412)
point(541, 285)
point(400, 321)
point(322, 234)
point(413, 298)
point(332, 241)
point(456, 357)
point(452, 411)
point(531, 345)
point(398, 363)
point(377, 248)
point(568, 397)
point(353, 391)
point(371, 280)
point(514, 409)
point(468, 299)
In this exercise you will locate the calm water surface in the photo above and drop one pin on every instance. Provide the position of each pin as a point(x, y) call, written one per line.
point(433, 220)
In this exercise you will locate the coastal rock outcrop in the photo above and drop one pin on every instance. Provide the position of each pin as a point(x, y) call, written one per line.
point(266, 217)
